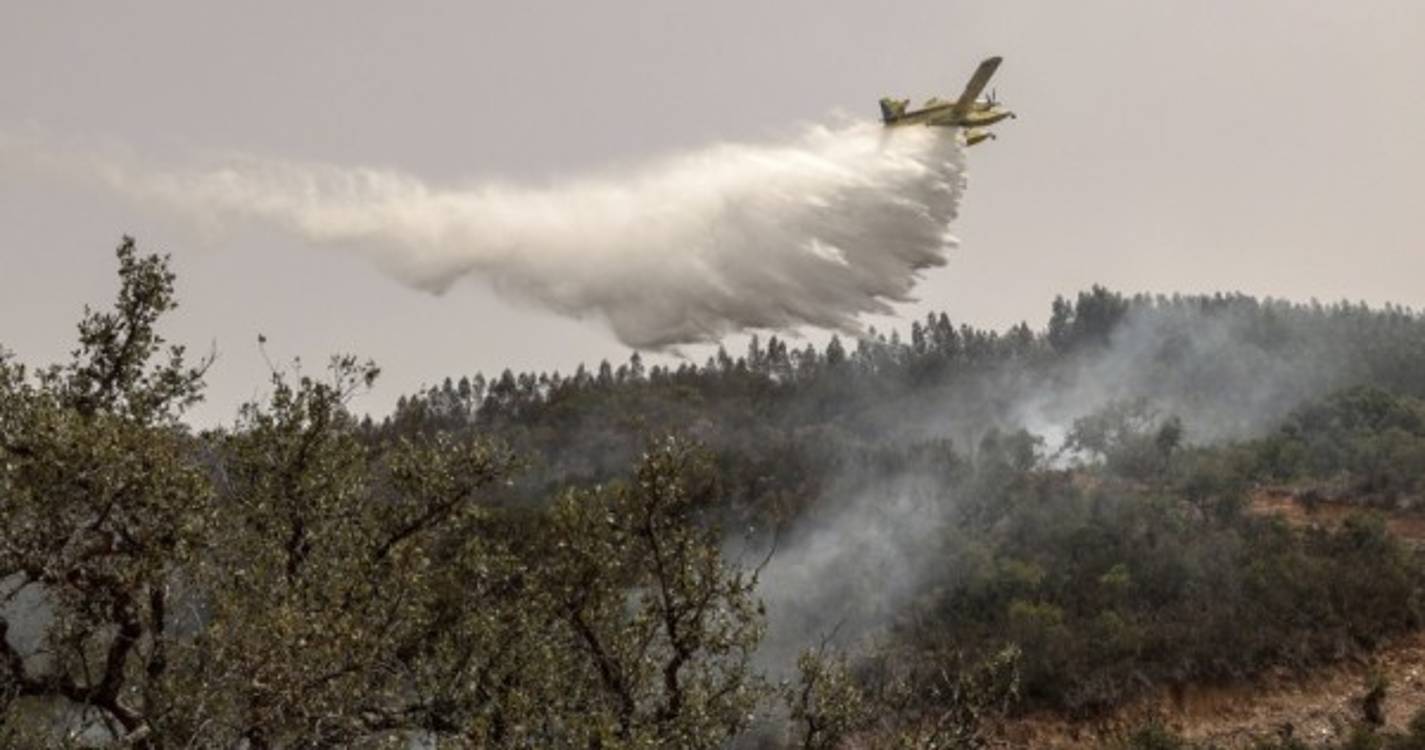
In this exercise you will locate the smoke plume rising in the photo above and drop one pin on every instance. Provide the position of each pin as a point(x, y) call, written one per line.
point(815, 231)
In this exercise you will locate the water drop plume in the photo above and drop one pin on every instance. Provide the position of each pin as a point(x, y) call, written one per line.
point(817, 230)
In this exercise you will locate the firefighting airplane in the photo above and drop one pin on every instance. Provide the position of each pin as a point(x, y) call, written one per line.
point(969, 111)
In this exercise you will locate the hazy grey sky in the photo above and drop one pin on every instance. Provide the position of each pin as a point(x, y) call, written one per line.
point(1268, 147)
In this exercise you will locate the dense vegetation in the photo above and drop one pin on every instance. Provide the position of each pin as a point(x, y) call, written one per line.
point(1118, 559)
point(791, 547)
point(1363, 443)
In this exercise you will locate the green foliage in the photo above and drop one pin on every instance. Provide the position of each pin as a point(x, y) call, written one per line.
point(647, 599)
point(827, 705)
point(1369, 439)
point(947, 708)
point(99, 490)
point(1129, 438)
point(289, 583)
point(1091, 320)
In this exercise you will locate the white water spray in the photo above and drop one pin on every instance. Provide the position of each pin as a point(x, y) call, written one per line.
point(816, 231)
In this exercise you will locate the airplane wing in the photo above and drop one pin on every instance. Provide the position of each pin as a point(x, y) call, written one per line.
point(977, 83)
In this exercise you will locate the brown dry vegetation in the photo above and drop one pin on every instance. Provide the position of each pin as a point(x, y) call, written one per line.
point(1319, 708)
point(1291, 506)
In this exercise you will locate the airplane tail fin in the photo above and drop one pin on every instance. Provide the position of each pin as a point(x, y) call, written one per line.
point(891, 109)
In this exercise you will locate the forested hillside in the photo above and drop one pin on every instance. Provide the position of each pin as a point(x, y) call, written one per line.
point(1227, 366)
point(892, 542)
point(1077, 491)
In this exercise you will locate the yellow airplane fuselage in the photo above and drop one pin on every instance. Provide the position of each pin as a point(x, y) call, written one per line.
point(944, 116)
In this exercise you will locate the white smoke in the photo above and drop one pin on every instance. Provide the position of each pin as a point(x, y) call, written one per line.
point(816, 231)
point(851, 567)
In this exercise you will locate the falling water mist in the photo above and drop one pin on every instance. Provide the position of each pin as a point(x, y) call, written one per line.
point(818, 230)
